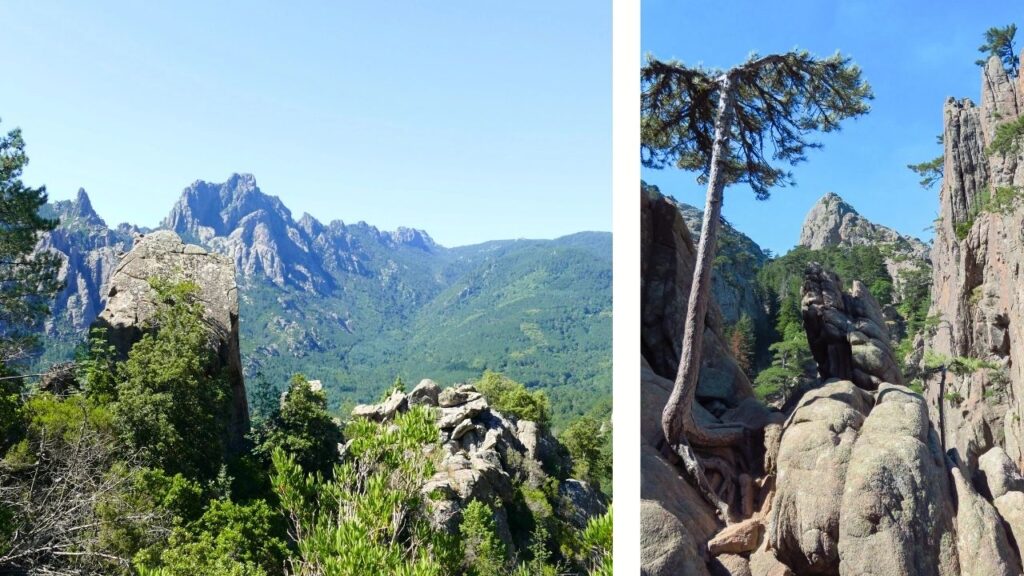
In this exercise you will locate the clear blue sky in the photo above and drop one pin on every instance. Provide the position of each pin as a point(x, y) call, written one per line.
point(472, 120)
point(914, 54)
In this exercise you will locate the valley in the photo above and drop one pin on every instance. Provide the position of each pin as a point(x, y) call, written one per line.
point(357, 307)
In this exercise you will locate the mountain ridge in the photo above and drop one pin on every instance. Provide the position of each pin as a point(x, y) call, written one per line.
point(366, 305)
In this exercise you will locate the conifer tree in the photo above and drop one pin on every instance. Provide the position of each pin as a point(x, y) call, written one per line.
point(729, 126)
point(999, 43)
point(28, 280)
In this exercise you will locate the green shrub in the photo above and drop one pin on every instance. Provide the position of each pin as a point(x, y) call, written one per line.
point(303, 428)
point(484, 552)
point(594, 549)
point(513, 399)
point(934, 361)
point(590, 450)
point(228, 540)
point(172, 405)
point(962, 229)
point(370, 517)
point(1007, 138)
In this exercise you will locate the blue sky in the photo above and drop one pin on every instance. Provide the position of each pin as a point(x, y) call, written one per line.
point(914, 54)
point(472, 120)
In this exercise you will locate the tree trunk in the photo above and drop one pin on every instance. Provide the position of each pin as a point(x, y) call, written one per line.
point(677, 418)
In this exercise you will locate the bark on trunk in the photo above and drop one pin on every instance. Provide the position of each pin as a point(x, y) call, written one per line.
point(677, 418)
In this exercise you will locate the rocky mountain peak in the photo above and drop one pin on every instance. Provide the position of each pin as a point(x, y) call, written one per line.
point(832, 221)
point(77, 213)
point(207, 209)
point(413, 238)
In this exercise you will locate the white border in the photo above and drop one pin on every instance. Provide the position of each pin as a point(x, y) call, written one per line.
point(626, 282)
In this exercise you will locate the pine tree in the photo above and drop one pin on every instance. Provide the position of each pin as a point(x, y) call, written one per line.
point(28, 280)
point(729, 126)
point(999, 43)
point(741, 343)
point(304, 429)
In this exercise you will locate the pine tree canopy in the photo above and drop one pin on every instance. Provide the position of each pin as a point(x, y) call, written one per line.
point(28, 281)
point(999, 43)
point(778, 101)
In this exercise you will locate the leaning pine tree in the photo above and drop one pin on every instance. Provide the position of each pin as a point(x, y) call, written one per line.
point(729, 126)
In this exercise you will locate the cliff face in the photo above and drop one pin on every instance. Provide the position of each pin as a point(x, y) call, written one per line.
point(977, 293)
point(89, 252)
point(734, 278)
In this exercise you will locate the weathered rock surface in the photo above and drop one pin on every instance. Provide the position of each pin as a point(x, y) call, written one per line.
point(976, 292)
point(896, 514)
point(811, 476)
point(847, 333)
point(981, 539)
point(426, 392)
point(482, 456)
point(131, 303)
point(997, 474)
point(675, 522)
point(1011, 509)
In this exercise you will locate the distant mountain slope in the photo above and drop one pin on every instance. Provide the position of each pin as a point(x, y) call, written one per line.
point(355, 306)
point(834, 222)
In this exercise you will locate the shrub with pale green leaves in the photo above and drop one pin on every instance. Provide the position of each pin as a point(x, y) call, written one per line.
point(370, 518)
point(513, 399)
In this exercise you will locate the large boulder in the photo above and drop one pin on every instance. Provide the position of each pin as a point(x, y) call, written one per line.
point(847, 332)
point(997, 474)
point(675, 521)
point(980, 536)
point(896, 510)
point(811, 475)
point(131, 302)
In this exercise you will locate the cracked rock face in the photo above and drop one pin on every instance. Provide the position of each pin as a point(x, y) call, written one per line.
point(977, 286)
point(131, 303)
point(483, 455)
point(846, 332)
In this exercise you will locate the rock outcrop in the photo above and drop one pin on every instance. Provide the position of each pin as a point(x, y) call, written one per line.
point(484, 455)
point(131, 303)
point(676, 522)
point(834, 222)
point(811, 476)
point(976, 294)
point(846, 331)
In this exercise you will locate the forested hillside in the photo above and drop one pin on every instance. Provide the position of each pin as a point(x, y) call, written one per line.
point(151, 454)
point(356, 307)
